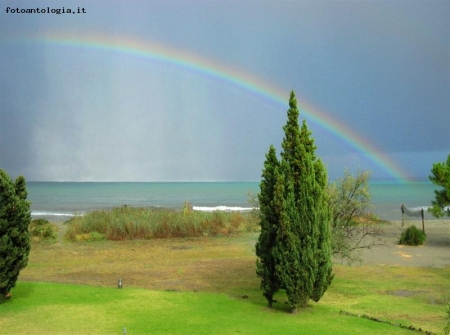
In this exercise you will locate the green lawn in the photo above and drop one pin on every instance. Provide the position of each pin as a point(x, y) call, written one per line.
point(44, 308)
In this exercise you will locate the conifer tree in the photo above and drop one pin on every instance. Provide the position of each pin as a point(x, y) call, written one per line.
point(302, 249)
point(299, 161)
point(269, 213)
point(441, 177)
point(15, 218)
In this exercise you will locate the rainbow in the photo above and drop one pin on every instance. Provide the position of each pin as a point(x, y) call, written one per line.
point(206, 67)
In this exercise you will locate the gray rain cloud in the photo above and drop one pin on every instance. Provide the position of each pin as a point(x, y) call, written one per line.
point(76, 112)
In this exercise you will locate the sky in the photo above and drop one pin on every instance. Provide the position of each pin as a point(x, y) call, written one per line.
point(199, 90)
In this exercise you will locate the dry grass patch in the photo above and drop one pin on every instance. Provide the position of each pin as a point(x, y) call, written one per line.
point(203, 264)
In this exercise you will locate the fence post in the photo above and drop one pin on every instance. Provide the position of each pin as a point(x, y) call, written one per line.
point(403, 214)
point(423, 222)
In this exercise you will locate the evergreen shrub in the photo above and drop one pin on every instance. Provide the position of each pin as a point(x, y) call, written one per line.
point(412, 236)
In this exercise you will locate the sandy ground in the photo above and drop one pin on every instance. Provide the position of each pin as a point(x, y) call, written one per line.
point(434, 253)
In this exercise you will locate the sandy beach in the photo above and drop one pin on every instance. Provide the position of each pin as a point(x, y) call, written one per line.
point(434, 253)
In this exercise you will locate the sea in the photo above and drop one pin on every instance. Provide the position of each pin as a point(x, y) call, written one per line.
point(59, 201)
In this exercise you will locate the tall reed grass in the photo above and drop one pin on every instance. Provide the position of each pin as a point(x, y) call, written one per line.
point(129, 223)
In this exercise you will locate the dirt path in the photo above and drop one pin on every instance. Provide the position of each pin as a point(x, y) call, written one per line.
point(434, 253)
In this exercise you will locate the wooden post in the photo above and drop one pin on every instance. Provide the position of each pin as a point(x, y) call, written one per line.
point(423, 222)
point(403, 214)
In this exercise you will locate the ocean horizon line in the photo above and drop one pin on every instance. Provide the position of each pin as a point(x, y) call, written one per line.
point(422, 180)
point(143, 181)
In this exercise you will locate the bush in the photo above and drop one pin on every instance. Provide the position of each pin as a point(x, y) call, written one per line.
point(130, 223)
point(353, 226)
point(42, 229)
point(412, 236)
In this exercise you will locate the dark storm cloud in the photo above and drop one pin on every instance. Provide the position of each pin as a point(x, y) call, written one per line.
point(72, 113)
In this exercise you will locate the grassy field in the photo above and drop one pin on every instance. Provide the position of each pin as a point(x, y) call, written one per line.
point(206, 285)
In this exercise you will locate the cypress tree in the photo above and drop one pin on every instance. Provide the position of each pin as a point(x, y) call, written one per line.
point(300, 256)
point(310, 217)
point(15, 218)
point(269, 213)
point(301, 253)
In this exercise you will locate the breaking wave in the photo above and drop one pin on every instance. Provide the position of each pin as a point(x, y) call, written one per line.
point(221, 208)
point(43, 213)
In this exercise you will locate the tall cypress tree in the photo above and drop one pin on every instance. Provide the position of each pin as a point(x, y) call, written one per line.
point(15, 218)
point(310, 217)
point(297, 158)
point(301, 253)
point(269, 213)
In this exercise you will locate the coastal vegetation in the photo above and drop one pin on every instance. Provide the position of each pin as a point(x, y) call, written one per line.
point(42, 230)
point(130, 223)
point(15, 217)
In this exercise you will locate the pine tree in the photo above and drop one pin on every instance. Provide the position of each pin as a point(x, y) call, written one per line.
point(269, 214)
point(301, 253)
point(15, 218)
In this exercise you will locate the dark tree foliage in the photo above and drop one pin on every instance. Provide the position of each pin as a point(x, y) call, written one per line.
point(441, 177)
point(300, 246)
point(269, 214)
point(15, 218)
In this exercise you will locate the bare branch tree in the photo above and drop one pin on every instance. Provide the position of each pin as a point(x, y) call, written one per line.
point(353, 227)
